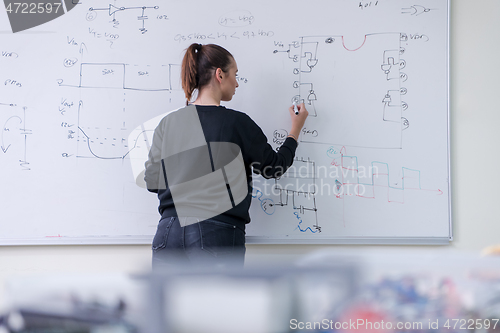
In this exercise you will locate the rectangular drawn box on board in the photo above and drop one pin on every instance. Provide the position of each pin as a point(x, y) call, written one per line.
point(102, 76)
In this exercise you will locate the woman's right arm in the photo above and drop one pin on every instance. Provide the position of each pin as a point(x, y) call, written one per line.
point(267, 162)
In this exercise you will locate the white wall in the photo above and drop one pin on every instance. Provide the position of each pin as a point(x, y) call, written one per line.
point(475, 116)
point(475, 90)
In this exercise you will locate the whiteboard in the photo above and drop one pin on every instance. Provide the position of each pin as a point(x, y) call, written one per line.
point(80, 96)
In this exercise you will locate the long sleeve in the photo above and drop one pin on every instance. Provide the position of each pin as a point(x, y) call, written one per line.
point(263, 159)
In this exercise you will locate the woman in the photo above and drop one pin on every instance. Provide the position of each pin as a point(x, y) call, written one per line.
point(201, 161)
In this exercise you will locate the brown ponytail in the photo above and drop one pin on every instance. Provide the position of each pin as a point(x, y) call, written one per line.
point(199, 64)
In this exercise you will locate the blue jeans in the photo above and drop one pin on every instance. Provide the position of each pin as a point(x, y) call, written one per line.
point(207, 243)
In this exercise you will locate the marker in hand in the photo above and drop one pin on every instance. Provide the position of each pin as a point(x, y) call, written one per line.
point(295, 109)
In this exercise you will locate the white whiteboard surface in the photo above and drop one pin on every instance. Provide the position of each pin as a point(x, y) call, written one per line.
point(78, 95)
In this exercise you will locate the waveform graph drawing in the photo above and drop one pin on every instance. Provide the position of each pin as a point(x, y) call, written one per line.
point(110, 95)
point(379, 188)
point(102, 130)
point(129, 77)
point(354, 88)
point(102, 75)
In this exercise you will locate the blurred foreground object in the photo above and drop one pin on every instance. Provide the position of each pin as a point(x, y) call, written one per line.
point(356, 290)
point(72, 304)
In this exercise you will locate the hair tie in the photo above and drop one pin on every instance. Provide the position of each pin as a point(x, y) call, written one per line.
point(198, 48)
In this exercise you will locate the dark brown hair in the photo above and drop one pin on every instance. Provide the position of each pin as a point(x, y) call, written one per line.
point(199, 64)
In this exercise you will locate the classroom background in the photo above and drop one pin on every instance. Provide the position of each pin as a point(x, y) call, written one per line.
point(474, 72)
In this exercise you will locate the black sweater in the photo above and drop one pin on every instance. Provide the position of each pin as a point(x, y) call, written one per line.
point(220, 124)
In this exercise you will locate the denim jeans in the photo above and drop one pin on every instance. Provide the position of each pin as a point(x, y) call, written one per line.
point(206, 243)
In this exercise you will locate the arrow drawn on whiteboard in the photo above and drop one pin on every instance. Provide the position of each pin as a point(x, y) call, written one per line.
point(83, 47)
point(6, 129)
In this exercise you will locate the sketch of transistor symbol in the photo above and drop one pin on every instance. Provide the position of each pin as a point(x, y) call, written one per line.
point(134, 77)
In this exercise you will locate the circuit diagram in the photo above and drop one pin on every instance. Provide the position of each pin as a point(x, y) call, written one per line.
point(371, 117)
point(113, 10)
point(295, 190)
point(325, 65)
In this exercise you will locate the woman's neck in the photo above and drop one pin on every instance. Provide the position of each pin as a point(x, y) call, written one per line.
point(207, 96)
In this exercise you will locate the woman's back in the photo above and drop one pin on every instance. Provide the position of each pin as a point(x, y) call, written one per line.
point(201, 164)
